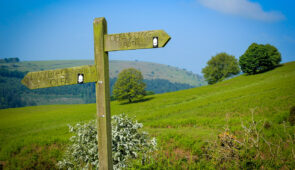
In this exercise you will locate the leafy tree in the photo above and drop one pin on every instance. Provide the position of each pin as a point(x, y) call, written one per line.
point(220, 67)
point(129, 85)
point(9, 60)
point(259, 58)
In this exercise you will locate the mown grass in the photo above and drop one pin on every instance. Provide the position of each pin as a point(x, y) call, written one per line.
point(182, 121)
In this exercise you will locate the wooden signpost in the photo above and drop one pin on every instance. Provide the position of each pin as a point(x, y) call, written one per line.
point(99, 73)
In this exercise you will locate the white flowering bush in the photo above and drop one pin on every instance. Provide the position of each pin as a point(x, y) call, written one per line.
point(127, 143)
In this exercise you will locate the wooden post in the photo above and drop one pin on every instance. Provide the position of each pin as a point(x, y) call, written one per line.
point(102, 95)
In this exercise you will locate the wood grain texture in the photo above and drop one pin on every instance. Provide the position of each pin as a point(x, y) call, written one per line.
point(102, 96)
point(59, 77)
point(135, 40)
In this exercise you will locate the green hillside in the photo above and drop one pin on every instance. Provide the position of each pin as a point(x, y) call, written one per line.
point(149, 70)
point(158, 78)
point(157, 71)
point(182, 121)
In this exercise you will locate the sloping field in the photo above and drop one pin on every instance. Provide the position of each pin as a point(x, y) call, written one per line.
point(184, 119)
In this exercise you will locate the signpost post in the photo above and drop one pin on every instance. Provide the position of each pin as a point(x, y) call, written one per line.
point(99, 73)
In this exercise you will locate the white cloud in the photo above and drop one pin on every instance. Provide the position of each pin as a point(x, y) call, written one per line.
point(243, 8)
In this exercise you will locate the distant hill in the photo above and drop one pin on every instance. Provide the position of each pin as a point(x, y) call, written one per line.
point(158, 71)
point(159, 79)
point(183, 121)
point(148, 69)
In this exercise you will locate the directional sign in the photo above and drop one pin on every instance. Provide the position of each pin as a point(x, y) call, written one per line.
point(99, 73)
point(60, 77)
point(135, 40)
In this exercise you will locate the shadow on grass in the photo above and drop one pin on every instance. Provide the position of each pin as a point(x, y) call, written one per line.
point(138, 101)
point(272, 68)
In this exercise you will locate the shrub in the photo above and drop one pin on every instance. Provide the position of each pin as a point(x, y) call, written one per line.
point(225, 150)
point(253, 149)
point(292, 116)
point(127, 143)
point(259, 58)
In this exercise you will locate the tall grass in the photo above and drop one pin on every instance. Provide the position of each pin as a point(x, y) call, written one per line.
point(182, 121)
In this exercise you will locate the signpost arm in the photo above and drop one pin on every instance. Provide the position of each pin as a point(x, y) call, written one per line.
point(102, 95)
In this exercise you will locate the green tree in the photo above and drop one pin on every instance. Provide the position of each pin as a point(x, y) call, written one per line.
point(259, 58)
point(129, 85)
point(220, 67)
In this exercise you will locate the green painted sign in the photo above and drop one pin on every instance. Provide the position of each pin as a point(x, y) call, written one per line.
point(99, 73)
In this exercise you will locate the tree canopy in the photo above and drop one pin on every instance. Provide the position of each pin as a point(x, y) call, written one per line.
point(9, 60)
point(220, 67)
point(259, 58)
point(129, 85)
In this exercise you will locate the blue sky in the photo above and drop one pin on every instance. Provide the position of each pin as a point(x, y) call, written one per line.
point(62, 30)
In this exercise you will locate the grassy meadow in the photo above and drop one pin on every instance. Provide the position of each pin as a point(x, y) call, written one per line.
point(182, 121)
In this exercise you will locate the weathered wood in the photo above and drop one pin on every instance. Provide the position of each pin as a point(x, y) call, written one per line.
point(59, 77)
point(102, 96)
point(135, 40)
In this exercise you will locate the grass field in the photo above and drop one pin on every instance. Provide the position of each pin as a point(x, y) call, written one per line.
point(183, 120)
